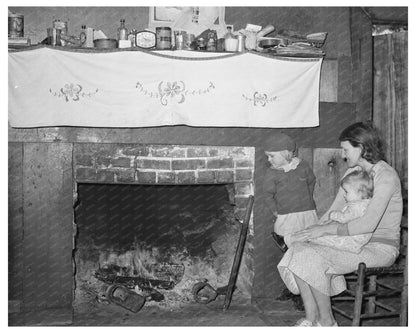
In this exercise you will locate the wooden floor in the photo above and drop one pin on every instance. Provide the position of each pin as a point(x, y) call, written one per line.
point(262, 312)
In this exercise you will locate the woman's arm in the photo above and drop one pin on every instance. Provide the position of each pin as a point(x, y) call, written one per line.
point(384, 187)
point(316, 231)
point(337, 204)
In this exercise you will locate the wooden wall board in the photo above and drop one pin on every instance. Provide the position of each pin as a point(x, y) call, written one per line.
point(362, 63)
point(48, 225)
point(15, 222)
point(328, 87)
point(329, 169)
point(306, 154)
point(390, 114)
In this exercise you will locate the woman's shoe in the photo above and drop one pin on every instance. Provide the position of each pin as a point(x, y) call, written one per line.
point(303, 322)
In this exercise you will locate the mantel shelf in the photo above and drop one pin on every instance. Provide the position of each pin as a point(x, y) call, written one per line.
point(270, 53)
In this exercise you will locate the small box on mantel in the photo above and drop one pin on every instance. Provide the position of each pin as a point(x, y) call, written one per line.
point(15, 42)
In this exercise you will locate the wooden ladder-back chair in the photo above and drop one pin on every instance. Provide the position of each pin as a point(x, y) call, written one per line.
point(371, 287)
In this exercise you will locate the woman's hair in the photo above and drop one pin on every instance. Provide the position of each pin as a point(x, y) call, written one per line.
point(361, 181)
point(365, 136)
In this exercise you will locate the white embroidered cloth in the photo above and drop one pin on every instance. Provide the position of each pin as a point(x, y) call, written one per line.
point(51, 87)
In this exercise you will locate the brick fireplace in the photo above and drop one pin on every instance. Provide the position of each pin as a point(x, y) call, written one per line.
point(188, 180)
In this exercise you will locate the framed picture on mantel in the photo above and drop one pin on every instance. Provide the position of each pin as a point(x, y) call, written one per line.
point(190, 19)
point(164, 16)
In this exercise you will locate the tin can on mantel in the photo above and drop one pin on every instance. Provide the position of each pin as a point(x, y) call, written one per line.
point(163, 38)
point(59, 28)
point(188, 41)
point(16, 25)
point(179, 40)
point(241, 43)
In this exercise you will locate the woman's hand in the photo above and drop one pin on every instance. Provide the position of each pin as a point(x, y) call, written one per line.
point(315, 231)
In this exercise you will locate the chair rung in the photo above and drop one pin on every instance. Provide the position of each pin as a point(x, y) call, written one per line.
point(384, 270)
point(342, 312)
point(343, 298)
point(386, 286)
point(381, 294)
point(385, 307)
point(379, 315)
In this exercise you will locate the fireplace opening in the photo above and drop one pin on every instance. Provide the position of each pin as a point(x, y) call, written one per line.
point(155, 240)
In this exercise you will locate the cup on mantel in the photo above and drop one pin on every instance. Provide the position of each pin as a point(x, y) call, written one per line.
point(231, 44)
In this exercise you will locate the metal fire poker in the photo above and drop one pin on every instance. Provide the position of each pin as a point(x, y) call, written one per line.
point(238, 254)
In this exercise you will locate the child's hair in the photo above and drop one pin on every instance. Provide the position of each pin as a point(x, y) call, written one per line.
point(361, 182)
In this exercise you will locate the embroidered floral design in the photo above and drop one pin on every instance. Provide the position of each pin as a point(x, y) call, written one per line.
point(260, 99)
point(173, 90)
point(72, 91)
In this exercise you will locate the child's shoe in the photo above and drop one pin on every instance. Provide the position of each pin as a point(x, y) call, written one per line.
point(303, 322)
point(317, 323)
point(279, 240)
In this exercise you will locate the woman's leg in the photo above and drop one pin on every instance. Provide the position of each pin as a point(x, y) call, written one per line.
point(311, 307)
point(326, 317)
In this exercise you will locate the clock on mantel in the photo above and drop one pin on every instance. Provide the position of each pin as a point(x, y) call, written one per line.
point(146, 39)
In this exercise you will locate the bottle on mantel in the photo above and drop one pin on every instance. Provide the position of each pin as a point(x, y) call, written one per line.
point(229, 33)
point(83, 35)
point(230, 41)
point(132, 37)
point(122, 33)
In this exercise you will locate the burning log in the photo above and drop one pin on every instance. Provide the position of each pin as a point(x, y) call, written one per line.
point(168, 272)
point(108, 276)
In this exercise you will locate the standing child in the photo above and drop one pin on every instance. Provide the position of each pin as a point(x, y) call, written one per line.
point(358, 187)
point(288, 187)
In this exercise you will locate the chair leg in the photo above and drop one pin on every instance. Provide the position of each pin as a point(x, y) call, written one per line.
point(371, 305)
point(403, 305)
point(359, 295)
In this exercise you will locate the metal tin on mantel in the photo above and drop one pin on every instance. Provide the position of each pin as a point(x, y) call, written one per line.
point(16, 25)
point(241, 43)
point(163, 38)
point(59, 28)
point(180, 40)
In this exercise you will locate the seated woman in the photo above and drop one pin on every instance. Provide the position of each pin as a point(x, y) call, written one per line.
point(316, 271)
